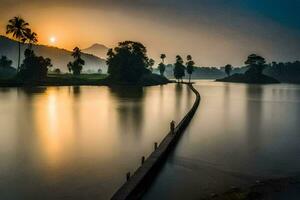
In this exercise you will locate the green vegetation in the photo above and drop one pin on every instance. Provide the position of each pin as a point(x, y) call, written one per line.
point(254, 74)
point(4, 62)
point(19, 29)
point(190, 66)
point(6, 70)
point(228, 69)
point(161, 66)
point(179, 68)
point(128, 63)
point(77, 64)
point(151, 63)
point(34, 68)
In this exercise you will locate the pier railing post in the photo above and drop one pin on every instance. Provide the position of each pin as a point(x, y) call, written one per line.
point(127, 176)
point(143, 160)
point(172, 127)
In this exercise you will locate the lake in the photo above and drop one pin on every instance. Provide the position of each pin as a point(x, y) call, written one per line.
point(79, 142)
point(240, 133)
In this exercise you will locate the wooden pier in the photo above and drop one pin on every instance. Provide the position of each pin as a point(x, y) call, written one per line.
point(137, 184)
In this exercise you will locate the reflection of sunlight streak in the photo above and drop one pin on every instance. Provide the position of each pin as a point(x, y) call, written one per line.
point(47, 127)
point(52, 113)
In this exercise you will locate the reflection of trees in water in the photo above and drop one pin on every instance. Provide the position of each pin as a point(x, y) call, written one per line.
point(189, 98)
point(76, 91)
point(5, 89)
point(226, 104)
point(30, 91)
point(254, 115)
point(178, 100)
point(131, 107)
point(127, 92)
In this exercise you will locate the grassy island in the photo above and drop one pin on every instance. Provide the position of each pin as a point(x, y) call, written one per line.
point(256, 65)
point(246, 78)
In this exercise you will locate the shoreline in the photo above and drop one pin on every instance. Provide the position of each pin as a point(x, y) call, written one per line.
point(77, 82)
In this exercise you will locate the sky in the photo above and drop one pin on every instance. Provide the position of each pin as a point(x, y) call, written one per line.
point(214, 32)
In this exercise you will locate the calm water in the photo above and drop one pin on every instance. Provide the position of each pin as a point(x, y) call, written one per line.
point(240, 134)
point(79, 142)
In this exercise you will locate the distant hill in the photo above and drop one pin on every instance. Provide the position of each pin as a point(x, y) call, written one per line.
point(59, 57)
point(97, 49)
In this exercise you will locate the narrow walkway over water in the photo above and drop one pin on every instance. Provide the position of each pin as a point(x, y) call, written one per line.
point(142, 178)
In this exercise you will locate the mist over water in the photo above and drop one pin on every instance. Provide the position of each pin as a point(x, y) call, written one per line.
point(241, 133)
point(79, 142)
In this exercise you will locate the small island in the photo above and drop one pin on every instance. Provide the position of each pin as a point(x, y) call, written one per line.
point(254, 75)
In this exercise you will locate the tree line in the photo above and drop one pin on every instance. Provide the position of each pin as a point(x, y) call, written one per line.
point(34, 68)
point(128, 61)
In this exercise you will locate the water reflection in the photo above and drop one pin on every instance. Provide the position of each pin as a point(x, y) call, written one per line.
point(253, 117)
point(78, 142)
point(239, 134)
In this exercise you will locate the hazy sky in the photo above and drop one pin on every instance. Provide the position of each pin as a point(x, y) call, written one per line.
point(214, 32)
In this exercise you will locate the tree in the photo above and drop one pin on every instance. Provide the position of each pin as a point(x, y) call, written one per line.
point(179, 68)
point(190, 66)
point(228, 69)
point(31, 37)
point(127, 62)
point(18, 28)
point(4, 62)
point(34, 68)
point(151, 63)
point(256, 64)
point(57, 71)
point(77, 65)
point(163, 56)
point(161, 68)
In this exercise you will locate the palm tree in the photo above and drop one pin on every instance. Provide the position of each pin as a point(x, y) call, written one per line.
point(76, 53)
point(190, 66)
point(31, 37)
point(163, 56)
point(78, 63)
point(18, 28)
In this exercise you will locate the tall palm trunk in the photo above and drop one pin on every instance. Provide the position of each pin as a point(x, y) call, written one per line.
point(19, 57)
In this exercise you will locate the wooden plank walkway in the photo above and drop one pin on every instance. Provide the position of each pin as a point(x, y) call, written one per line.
point(144, 175)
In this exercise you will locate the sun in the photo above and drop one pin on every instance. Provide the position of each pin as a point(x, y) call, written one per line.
point(52, 39)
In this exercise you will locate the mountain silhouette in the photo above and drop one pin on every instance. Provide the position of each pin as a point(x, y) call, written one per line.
point(59, 57)
point(96, 49)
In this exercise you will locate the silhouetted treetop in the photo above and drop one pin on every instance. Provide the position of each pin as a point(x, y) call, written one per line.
point(228, 69)
point(127, 62)
point(256, 64)
point(179, 68)
point(18, 28)
point(190, 66)
point(34, 68)
point(77, 65)
point(5, 62)
point(162, 57)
